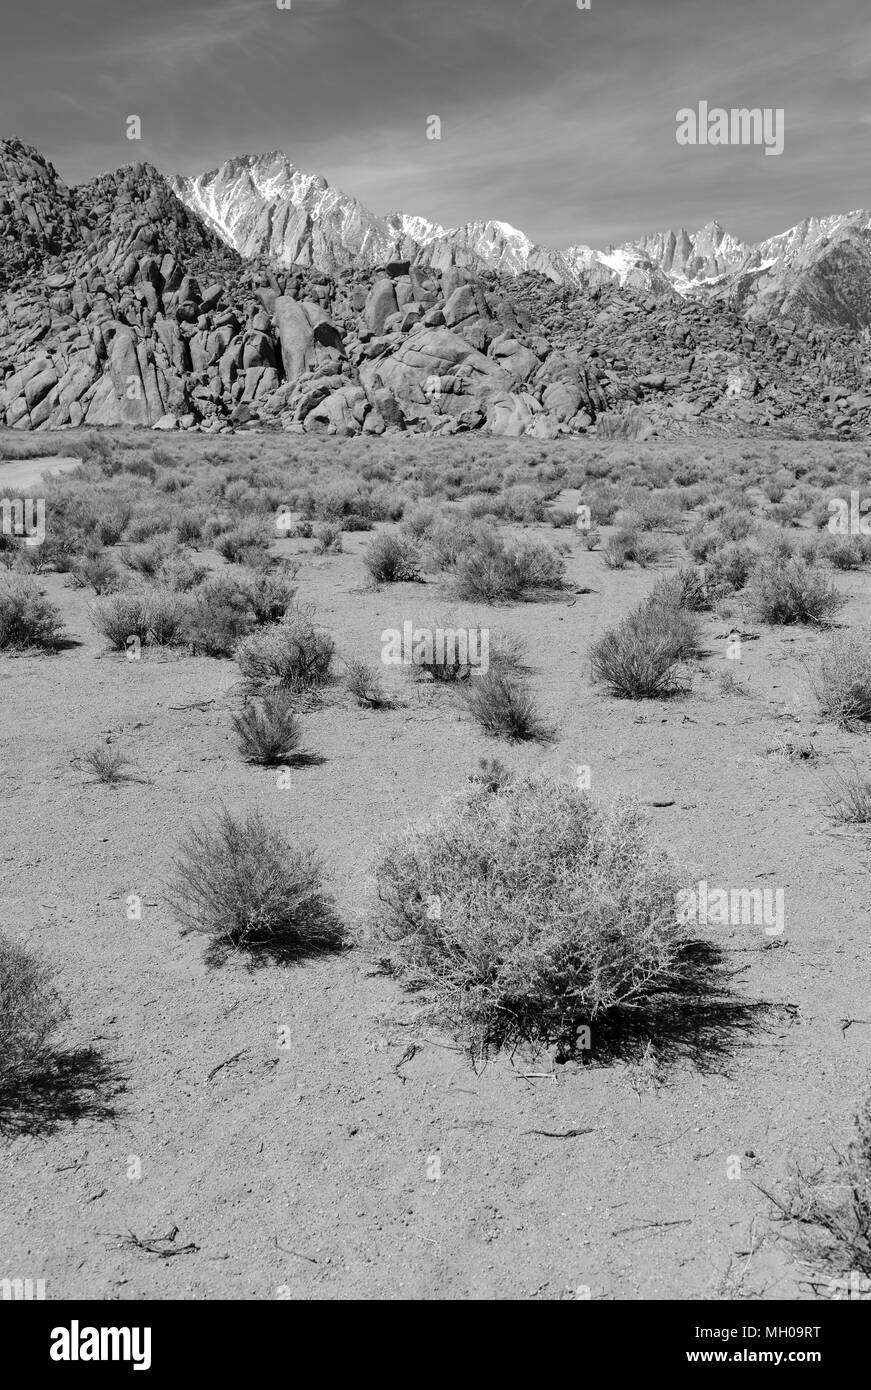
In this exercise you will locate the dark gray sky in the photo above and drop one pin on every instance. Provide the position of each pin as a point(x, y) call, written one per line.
point(557, 120)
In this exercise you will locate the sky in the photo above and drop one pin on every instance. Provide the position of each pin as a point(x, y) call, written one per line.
point(558, 120)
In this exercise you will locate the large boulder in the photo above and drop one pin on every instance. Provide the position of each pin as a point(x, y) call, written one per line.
point(296, 337)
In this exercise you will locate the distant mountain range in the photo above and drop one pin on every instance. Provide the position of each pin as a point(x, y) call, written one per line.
point(262, 205)
point(258, 296)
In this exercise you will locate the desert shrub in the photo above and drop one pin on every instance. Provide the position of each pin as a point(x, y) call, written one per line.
point(702, 541)
point(189, 529)
point(417, 521)
point(166, 617)
point(561, 517)
point(30, 1012)
point(491, 775)
point(111, 525)
point(151, 522)
point(240, 544)
point(792, 592)
point(106, 764)
point(649, 512)
point(551, 910)
point(292, 656)
point(148, 559)
point(490, 571)
point(356, 522)
point(181, 573)
point(363, 681)
point(728, 570)
point(523, 503)
point(153, 615)
point(847, 552)
point(328, 538)
point(220, 615)
point(848, 798)
point(619, 549)
point(448, 538)
point(392, 559)
point(842, 678)
point(270, 594)
point(504, 705)
point(96, 572)
point(686, 589)
point(832, 1207)
point(639, 658)
point(121, 616)
point(268, 732)
point(241, 882)
point(27, 618)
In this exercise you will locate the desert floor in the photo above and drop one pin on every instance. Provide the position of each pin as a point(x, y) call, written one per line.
point(307, 1171)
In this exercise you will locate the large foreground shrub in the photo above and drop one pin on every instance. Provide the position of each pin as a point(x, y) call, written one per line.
point(526, 913)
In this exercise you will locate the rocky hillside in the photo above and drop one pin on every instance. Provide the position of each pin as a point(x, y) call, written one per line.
point(120, 304)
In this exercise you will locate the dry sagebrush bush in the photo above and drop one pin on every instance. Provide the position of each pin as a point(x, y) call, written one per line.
point(241, 882)
point(639, 658)
point(268, 732)
point(491, 571)
point(833, 1208)
point(30, 1011)
point(503, 703)
point(392, 560)
point(550, 910)
point(27, 619)
point(792, 591)
point(842, 678)
point(293, 655)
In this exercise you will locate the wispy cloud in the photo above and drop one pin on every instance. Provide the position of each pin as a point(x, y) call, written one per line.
point(559, 120)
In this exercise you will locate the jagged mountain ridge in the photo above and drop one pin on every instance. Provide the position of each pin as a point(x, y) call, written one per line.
point(119, 304)
point(264, 205)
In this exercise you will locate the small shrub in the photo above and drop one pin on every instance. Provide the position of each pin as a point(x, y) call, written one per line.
point(504, 706)
point(551, 911)
point(363, 681)
point(328, 538)
point(686, 589)
point(27, 619)
point(98, 573)
point(243, 543)
point(847, 552)
point(107, 764)
point(30, 1012)
point(121, 616)
point(833, 1208)
point(639, 658)
point(489, 571)
point(491, 775)
point(848, 798)
point(268, 732)
point(240, 881)
point(270, 595)
point(148, 559)
point(292, 655)
point(792, 592)
point(842, 679)
point(220, 616)
point(392, 560)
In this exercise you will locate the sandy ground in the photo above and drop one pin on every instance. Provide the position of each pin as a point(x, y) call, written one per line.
point(26, 472)
point(308, 1171)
